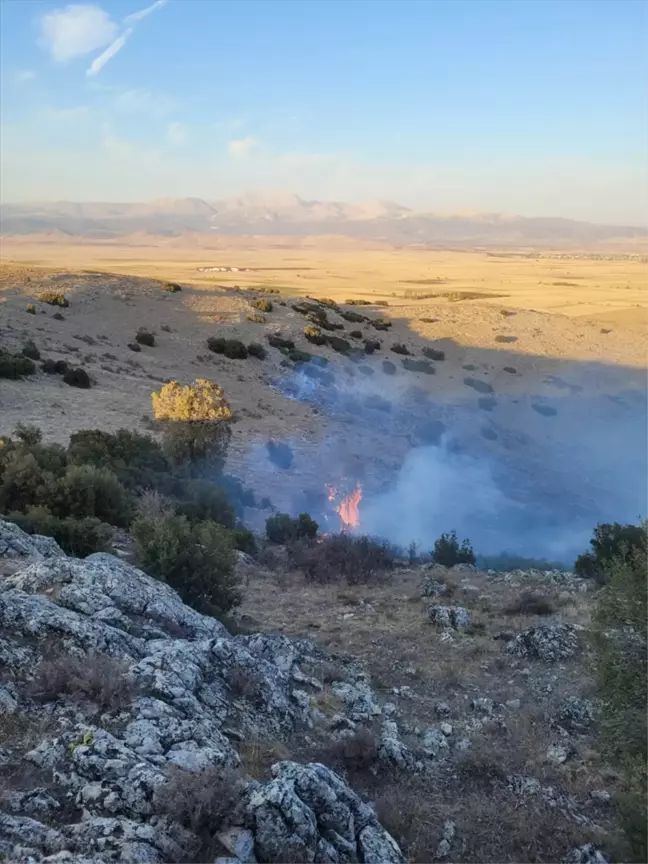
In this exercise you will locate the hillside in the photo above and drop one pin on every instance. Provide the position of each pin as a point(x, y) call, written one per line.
point(285, 214)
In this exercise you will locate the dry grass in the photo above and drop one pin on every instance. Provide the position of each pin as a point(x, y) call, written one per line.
point(258, 755)
point(96, 678)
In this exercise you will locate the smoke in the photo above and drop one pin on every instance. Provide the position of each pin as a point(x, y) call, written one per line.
point(530, 473)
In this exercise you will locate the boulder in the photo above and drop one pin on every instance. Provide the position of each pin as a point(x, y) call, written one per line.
point(449, 617)
point(547, 642)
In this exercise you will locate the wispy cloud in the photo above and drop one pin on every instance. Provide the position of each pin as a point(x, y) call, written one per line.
point(23, 76)
point(82, 28)
point(137, 16)
point(177, 133)
point(138, 100)
point(239, 148)
point(99, 62)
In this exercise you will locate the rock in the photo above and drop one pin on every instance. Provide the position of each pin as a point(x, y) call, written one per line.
point(514, 704)
point(34, 802)
point(547, 642)
point(442, 709)
point(449, 617)
point(15, 543)
point(587, 854)
point(240, 842)
point(434, 742)
point(575, 715)
point(483, 705)
point(432, 588)
point(358, 699)
point(445, 844)
point(446, 728)
point(560, 753)
point(601, 796)
point(392, 749)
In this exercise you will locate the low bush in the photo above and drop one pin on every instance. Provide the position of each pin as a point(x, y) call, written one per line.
point(277, 341)
point(315, 335)
point(244, 540)
point(15, 366)
point(54, 298)
point(235, 349)
point(134, 347)
point(144, 337)
point(353, 317)
point(58, 317)
point(529, 603)
point(448, 552)
point(77, 537)
point(399, 348)
point(85, 490)
point(326, 301)
point(620, 659)
point(256, 317)
point(135, 459)
point(358, 302)
point(381, 324)
point(257, 350)
point(262, 304)
point(75, 376)
point(418, 366)
point(49, 366)
point(609, 542)
point(371, 345)
point(356, 334)
point(282, 528)
point(172, 287)
point(343, 556)
point(356, 753)
point(197, 560)
point(30, 350)
point(433, 353)
point(280, 454)
point(97, 677)
point(339, 345)
point(30, 308)
point(203, 500)
point(299, 356)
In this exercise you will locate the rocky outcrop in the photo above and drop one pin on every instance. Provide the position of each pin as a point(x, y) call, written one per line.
point(547, 642)
point(191, 694)
point(449, 617)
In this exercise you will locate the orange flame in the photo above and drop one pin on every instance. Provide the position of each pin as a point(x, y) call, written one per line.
point(347, 509)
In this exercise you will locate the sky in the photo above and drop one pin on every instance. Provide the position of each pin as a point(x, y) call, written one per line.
point(532, 107)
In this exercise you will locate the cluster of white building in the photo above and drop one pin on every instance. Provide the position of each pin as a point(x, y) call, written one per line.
point(223, 269)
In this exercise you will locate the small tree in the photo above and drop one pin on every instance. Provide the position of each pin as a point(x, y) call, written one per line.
point(609, 542)
point(621, 664)
point(196, 560)
point(196, 420)
point(282, 528)
point(448, 552)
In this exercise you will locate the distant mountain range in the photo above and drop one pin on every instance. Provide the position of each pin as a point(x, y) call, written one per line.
point(285, 214)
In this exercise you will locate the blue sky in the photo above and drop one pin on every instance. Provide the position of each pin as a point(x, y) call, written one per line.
point(536, 107)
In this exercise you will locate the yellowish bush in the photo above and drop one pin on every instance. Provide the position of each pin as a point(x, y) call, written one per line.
point(202, 400)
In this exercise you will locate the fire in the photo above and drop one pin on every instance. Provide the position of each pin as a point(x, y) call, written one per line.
point(347, 509)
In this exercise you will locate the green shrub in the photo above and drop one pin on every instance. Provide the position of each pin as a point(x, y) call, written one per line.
point(262, 304)
point(30, 350)
point(314, 335)
point(339, 345)
point(30, 308)
point(609, 542)
point(86, 490)
point(197, 441)
point(217, 344)
point(235, 350)
point(245, 540)
point(77, 537)
point(15, 366)
point(58, 317)
point(448, 552)
point(197, 560)
point(54, 298)
point(277, 341)
point(77, 377)
point(620, 649)
point(28, 434)
point(326, 301)
point(172, 287)
point(418, 366)
point(136, 459)
point(282, 528)
point(371, 345)
point(49, 366)
point(356, 334)
point(256, 350)
point(134, 347)
point(299, 356)
point(144, 337)
point(433, 353)
point(381, 324)
point(353, 317)
point(203, 500)
point(399, 348)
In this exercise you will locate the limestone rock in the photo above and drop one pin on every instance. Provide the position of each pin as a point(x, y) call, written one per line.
point(547, 642)
point(449, 617)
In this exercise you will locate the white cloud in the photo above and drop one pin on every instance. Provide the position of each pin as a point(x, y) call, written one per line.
point(113, 145)
point(239, 148)
point(137, 16)
point(99, 62)
point(140, 101)
point(177, 133)
point(22, 76)
point(64, 114)
point(76, 30)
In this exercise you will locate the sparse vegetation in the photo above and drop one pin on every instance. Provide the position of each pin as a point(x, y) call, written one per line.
point(399, 348)
point(15, 366)
point(134, 347)
point(418, 366)
point(75, 376)
point(433, 353)
point(299, 356)
point(98, 678)
point(30, 350)
point(381, 324)
point(530, 603)
point(171, 287)
point(315, 335)
point(448, 551)
point(30, 308)
point(257, 350)
point(277, 341)
point(256, 317)
point(343, 557)
point(339, 345)
point(54, 298)
point(357, 302)
point(144, 337)
point(262, 304)
point(353, 317)
point(282, 528)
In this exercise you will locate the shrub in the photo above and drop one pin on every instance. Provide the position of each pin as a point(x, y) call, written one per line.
point(136, 459)
point(61, 367)
point(203, 500)
point(245, 540)
point(399, 348)
point(280, 454)
point(217, 344)
point(235, 350)
point(357, 753)
point(189, 443)
point(448, 552)
point(381, 324)
point(78, 537)
point(343, 556)
point(277, 341)
point(353, 317)
point(357, 302)
point(54, 298)
point(58, 317)
point(144, 337)
point(609, 541)
point(256, 318)
point(30, 350)
point(282, 528)
point(97, 677)
point(77, 377)
point(28, 434)
point(299, 356)
point(262, 304)
point(257, 350)
point(529, 603)
point(326, 301)
point(30, 308)
point(418, 366)
point(339, 345)
point(86, 490)
point(49, 366)
point(172, 287)
point(433, 353)
point(388, 367)
point(620, 663)
point(314, 335)
point(134, 347)
point(15, 366)
point(356, 334)
point(197, 560)
point(371, 345)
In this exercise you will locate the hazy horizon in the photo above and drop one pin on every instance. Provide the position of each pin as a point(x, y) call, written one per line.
point(530, 108)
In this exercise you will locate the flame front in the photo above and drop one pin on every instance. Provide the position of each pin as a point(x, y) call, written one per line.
point(348, 507)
